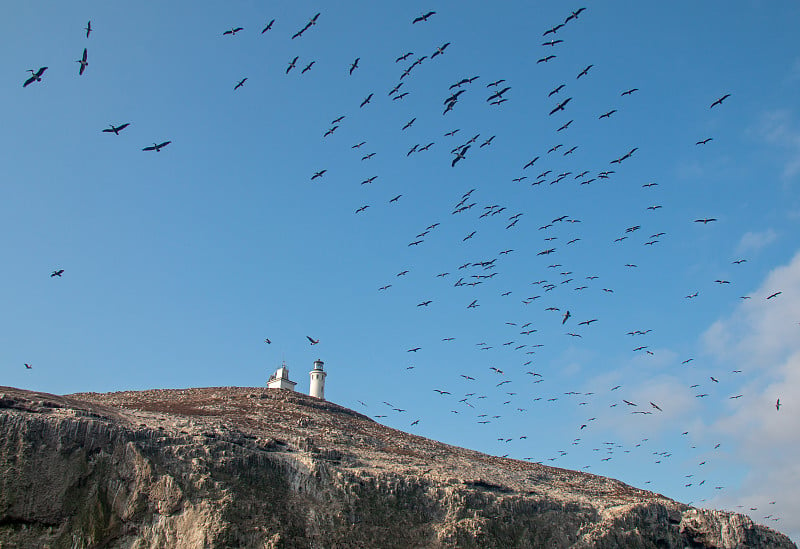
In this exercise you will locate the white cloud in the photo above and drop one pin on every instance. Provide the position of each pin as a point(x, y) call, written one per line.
point(762, 338)
point(777, 128)
point(755, 241)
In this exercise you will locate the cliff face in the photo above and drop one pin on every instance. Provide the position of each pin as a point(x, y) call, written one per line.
point(247, 467)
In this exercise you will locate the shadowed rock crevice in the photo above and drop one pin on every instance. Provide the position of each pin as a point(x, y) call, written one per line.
point(246, 467)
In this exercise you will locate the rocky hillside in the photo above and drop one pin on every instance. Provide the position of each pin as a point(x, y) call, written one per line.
point(248, 467)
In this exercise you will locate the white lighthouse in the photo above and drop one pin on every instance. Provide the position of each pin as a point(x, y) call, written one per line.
point(317, 388)
point(280, 379)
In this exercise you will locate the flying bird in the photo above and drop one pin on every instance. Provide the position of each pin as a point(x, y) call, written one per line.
point(268, 27)
point(423, 17)
point(240, 84)
point(704, 141)
point(366, 100)
point(88, 29)
point(440, 50)
point(719, 101)
point(312, 21)
point(36, 76)
point(157, 146)
point(116, 129)
point(84, 63)
point(585, 71)
point(318, 174)
point(307, 67)
point(28, 366)
point(292, 64)
point(560, 106)
point(232, 31)
point(57, 273)
point(574, 15)
point(354, 65)
point(312, 340)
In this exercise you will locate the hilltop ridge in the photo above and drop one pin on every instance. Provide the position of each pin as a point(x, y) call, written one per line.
point(250, 467)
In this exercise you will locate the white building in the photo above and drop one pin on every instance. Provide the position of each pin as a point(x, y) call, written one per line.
point(280, 379)
point(317, 388)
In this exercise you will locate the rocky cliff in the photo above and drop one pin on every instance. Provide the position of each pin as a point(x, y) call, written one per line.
point(248, 467)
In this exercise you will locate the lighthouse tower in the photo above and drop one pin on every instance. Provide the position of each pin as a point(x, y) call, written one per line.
point(317, 388)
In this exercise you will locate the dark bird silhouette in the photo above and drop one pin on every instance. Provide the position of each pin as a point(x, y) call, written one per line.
point(404, 57)
point(267, 341)
point(574, 15)
point(460, 155)
point(556, 90)
point(116, 129)
point(778, 405)
point(628, 92)
point(311, 22)
point(560, 106)
point(553, 30)
point(423, 17)
point(705, 220)
point(414, 350)
point(36, 76)
point(312, 340)
point(552, 42)
point(88, 29)
point(84, 63)
point(232, 31)
point(307, 67)
point(608, 114)
point(719, 101)
point(268, 27)
point(318, 174)
point(565, 126)
point(440, 50)
point(565, 317)
point(292, 64)
point(530, 163)
point(362, 208)
point(585, 71)
point(545, 59)
point(366, 100)
point(774, 295)
point(28, 366)
point(57, 273)
point(157, 146)
point(240, 84)
point(704, 141)
point(354, 65)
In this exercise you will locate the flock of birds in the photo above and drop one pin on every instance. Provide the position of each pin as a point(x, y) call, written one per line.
point(482, 272)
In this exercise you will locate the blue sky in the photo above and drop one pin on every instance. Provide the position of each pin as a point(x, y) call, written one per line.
point(178, 264)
